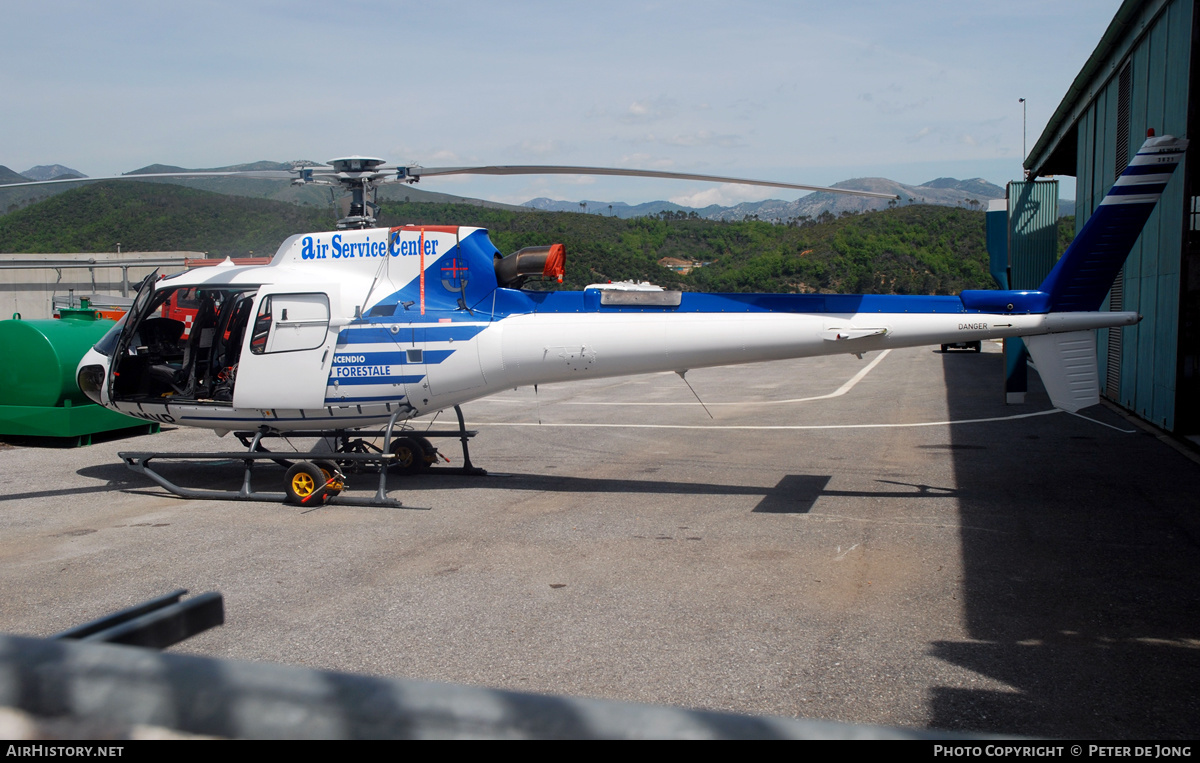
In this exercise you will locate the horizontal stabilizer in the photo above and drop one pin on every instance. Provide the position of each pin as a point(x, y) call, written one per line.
point(1067, 364)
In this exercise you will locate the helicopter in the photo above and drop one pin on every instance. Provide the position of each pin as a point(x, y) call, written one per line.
point(363, 326)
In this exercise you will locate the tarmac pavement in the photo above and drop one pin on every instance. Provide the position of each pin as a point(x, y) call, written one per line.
point(825, 546)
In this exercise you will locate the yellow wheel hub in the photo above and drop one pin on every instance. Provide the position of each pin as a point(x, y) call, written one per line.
point(303, 484)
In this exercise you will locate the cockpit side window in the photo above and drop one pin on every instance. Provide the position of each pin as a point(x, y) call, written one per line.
point(290, 322)
point(262, 328)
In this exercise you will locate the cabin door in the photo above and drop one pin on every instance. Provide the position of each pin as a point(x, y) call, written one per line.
point(287, 350)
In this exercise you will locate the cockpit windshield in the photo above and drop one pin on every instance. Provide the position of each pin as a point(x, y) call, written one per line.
point(108, 342)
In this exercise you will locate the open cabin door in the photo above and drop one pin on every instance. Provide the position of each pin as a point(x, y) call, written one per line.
point(141, 307)
point(286, 351)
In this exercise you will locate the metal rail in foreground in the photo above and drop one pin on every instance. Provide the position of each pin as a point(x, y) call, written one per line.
point(156, 624)
point(116, 688)
point(63, 688)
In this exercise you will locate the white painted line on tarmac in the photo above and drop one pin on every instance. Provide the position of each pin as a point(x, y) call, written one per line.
point(770, 426)
point(1101, 423)
point(849, 385)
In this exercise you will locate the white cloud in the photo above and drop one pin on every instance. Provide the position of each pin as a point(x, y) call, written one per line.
point(650, 110)
point(920, 134)
point(726, 195)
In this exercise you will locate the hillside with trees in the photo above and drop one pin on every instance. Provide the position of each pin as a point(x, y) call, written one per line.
point(907, 250)
point(151, 217)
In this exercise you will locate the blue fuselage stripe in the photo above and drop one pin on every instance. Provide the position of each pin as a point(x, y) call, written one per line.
point(691, 302)
point(366, 358)
point(407, 333)
point(360, 380)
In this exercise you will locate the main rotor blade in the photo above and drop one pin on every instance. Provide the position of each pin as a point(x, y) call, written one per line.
point(256, 174)
point(527, 169)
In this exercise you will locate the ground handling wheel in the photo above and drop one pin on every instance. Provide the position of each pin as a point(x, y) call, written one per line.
point(335, 480)
point(431, 452)
point(307, 485)
point(410, 455)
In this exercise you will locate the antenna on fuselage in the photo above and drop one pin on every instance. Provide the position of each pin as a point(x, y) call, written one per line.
point(683, 375)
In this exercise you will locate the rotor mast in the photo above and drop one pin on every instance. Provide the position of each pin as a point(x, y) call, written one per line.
point(360, 176)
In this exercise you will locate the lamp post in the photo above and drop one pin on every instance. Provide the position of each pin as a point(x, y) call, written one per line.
point(1023, 123)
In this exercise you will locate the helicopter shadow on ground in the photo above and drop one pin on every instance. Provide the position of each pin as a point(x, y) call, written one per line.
point(793, 494)
point(207, 475)
point(114, 476)
point(1084, 604)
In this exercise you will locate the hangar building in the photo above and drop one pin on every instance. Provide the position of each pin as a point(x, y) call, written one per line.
point(1141, 76)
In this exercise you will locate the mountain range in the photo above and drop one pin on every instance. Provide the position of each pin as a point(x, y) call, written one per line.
point(971, 194)
point(14, 195)
point(40, 172)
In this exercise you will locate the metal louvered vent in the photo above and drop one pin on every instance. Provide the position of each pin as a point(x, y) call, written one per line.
point(1116, 302)
point(1124, 85)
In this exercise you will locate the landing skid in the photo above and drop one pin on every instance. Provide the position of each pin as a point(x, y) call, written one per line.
point(352, 441)
point(354, 452)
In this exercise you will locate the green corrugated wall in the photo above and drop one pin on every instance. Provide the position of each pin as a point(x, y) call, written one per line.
point(1032, 231)
point(1160, 66)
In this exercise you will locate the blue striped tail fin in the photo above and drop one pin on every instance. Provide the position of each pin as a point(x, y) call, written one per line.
point(1085, 273)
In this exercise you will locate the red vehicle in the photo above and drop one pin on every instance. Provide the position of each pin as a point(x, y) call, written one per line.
point(185, 303)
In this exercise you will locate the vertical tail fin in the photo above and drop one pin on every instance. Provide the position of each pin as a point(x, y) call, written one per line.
point(1085, 273)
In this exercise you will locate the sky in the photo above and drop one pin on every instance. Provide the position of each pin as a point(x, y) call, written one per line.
point(804, 92)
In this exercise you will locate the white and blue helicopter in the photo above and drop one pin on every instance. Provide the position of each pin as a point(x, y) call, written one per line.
point(365, 326)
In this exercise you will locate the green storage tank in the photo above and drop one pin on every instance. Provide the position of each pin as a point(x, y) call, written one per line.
point(39, 396)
